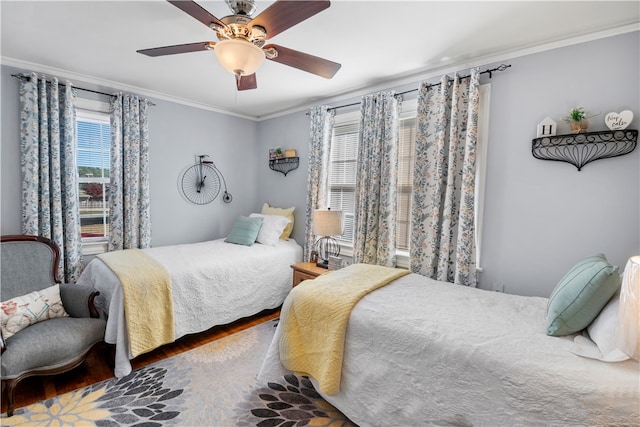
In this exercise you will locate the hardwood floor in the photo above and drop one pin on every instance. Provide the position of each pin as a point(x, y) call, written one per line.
point(95, 368)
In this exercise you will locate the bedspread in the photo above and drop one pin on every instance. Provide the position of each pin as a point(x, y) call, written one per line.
point(145, 283)
point(315, 317)
point(213, 283)
point(420, 352)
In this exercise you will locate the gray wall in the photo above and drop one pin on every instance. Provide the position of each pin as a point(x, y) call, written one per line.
point(179, 134)
point(291, 131)
point(540, 216)
point(9, 154)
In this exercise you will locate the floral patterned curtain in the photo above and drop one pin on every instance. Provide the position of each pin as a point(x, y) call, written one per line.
point(50, 203)
point(377, 181)
point(130, 222)
point(318, 176)
point(442, 213)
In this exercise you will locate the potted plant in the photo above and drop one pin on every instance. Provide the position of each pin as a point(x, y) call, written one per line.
point(577, 120)
point(279, 154)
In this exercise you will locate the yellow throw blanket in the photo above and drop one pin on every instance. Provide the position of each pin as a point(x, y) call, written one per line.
point(147, 296)
point(314, 320)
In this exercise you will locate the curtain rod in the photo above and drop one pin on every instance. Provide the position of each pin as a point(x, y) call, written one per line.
point(23, 77)
point(501, 67)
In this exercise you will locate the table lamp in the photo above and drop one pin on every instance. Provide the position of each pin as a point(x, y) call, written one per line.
point(326, 223)
point(628, 330)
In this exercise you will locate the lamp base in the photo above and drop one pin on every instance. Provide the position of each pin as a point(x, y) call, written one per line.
point(323, 264)
point(326, 247)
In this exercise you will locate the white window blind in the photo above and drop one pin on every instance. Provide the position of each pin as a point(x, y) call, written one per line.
point(342, 174)
point(406, 154)
point(93, 162)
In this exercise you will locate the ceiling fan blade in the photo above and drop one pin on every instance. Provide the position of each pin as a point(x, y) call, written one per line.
point(195, 10)
point(179, 48)
point(304, 61)
point(284, 14)
point(246, 82)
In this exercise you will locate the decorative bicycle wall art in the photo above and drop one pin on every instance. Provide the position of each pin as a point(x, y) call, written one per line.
point(200, 183)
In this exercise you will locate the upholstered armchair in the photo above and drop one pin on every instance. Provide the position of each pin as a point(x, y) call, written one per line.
point(51, 331)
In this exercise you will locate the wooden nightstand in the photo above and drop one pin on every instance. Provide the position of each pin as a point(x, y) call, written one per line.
point(306, 271)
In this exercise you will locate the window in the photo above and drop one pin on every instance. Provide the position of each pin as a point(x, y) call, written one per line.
point(93, 162)
point(342, 173)
point(343, 167)
point(406, 154)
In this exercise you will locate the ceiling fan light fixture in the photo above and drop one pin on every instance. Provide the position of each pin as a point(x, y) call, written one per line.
point(239, 57)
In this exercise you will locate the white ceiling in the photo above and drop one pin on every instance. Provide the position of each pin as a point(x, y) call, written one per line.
point(377, 42)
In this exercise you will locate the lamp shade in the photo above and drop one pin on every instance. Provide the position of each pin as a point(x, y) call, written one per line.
point(238, 56)
point(628, 330)
point(327, 223)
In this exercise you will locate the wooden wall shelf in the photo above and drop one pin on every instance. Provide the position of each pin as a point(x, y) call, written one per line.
point(582, 148)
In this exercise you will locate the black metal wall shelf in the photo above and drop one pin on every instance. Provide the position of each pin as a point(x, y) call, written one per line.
point(284, 165)
point(582, 148)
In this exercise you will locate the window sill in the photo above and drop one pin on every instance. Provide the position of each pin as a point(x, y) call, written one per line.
point(94, 248)
point(402, 257)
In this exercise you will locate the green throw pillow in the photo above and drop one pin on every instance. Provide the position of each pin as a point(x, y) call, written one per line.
point(245, 231)
point(581, 294)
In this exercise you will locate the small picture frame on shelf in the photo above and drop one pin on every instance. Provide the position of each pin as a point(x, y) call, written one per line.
point(272, 154)
point(290, 152)
point(335, 263)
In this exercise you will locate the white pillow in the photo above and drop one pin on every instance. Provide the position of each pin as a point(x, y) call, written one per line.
point(602, 331)
point(272, 228)
point(21, 312)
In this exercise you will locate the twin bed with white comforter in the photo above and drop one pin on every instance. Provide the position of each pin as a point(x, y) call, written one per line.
point(213, 283)
point(421, 352)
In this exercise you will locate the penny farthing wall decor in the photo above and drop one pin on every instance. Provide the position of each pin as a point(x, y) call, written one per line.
point(201, 182)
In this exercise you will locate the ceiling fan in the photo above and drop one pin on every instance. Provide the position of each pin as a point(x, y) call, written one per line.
point(241, 49)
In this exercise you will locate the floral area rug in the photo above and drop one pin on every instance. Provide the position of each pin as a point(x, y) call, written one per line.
point(212, 385)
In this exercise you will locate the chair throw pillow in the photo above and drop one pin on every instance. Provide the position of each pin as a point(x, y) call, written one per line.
point(21, 312)
point(287, 213)
point(272, 228)
point(244, 231)
point(580, 295)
